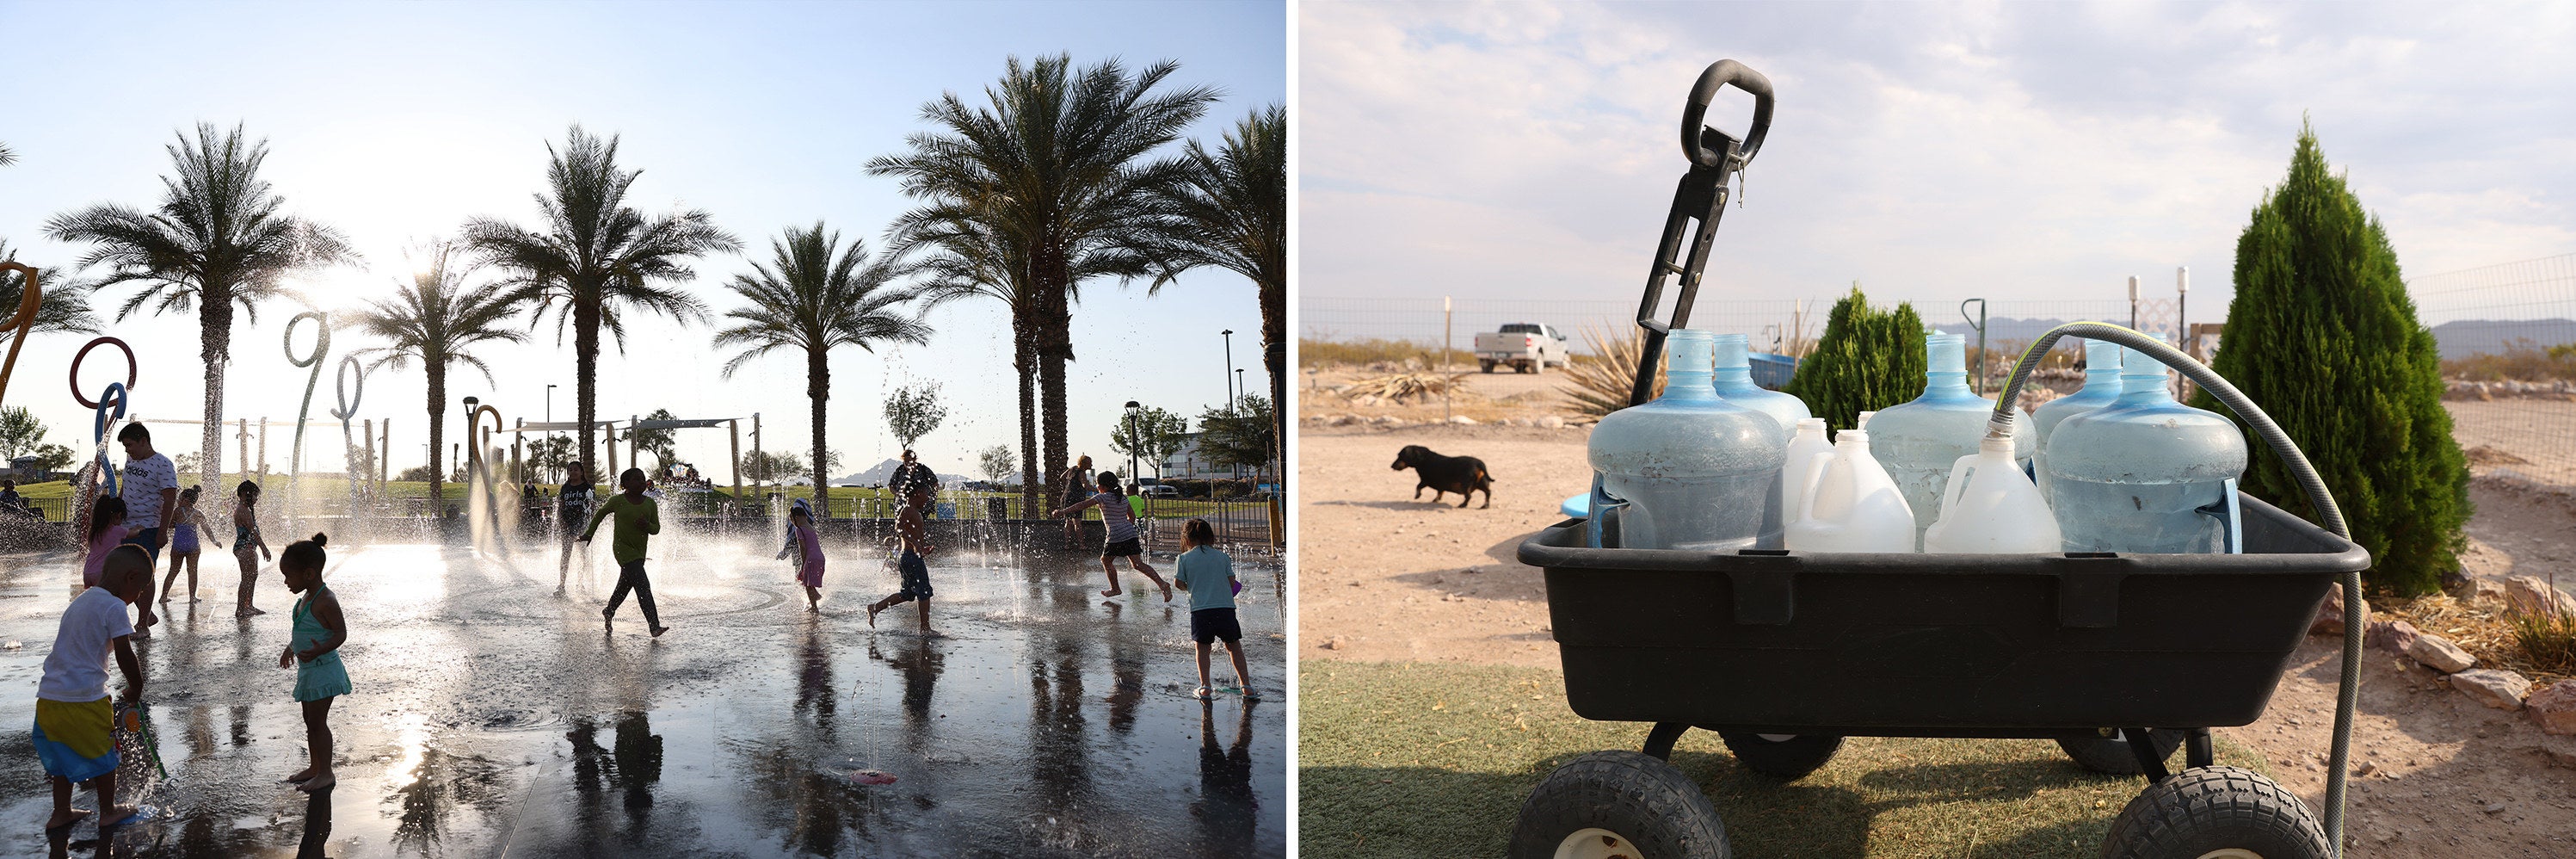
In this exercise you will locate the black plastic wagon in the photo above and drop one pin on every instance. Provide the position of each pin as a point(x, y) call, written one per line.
point(2119, 658)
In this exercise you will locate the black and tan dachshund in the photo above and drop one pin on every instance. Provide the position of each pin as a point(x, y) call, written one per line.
point(1445, 474)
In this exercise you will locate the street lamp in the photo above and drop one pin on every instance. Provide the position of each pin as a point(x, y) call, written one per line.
point(1238, 384)
point(1229, 369)
point(1131, 442)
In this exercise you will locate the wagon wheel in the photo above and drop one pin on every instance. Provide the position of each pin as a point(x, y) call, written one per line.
point(2216, 813)
point(2112, 754)
point(1787, 756)
point(1618, 805)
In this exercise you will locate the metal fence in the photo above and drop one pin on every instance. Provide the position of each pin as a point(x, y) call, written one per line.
point(2507, 335)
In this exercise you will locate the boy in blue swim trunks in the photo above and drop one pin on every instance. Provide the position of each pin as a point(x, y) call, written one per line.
point(913, 526)
point(75, 721)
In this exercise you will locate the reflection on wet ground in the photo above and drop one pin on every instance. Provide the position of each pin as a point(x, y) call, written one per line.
point(492, 718)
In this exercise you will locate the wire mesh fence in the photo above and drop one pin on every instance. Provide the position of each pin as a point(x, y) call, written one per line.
point(2507, 335)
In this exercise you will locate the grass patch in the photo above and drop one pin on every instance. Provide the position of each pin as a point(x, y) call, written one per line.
point(1419, 760)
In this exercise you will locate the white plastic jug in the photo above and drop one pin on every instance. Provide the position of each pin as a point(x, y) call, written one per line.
point(1853, 506)
point(1864, 420)
point(1800, 469)
point(1989, 506)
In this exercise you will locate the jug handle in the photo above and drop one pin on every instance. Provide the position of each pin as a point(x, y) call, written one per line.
point(1958, 485)
point(1815, 476)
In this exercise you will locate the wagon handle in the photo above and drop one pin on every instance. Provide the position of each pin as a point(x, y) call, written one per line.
point(1701, 198)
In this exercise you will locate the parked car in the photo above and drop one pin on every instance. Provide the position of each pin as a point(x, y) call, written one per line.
point(1526, 347)
point(1161, 490)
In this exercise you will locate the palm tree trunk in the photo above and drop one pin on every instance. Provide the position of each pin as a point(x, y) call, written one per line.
point(818, 388)
point(437, 438)
point(1274, 354)
point(1033, 491)
point(585, 345)
point(1054, 350)
point(214, 346)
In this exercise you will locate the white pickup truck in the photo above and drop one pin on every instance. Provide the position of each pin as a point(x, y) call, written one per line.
point(1523, 346)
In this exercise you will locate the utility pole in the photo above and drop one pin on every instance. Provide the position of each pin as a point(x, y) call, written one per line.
point(1448, 341)
point(1229, 369)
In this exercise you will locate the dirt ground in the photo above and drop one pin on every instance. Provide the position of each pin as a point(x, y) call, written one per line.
point(1386, 578)
point(2533, 439)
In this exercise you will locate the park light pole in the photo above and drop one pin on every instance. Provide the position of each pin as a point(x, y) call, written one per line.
point(1131, 442)
point(1229, 370)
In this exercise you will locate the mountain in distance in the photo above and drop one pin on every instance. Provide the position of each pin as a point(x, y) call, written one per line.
point(2458, 339)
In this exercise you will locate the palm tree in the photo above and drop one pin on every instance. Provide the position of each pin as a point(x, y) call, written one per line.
point(218, 239)
point(970, 259)
point(1232, 213)
point(814, 296)
point(435, 320)
point(596, 256)
point(66, 305)
point(1056, 163)
point(7, 155)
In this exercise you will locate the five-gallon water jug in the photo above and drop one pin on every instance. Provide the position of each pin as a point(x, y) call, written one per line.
point(1735, 383)
point(2132, 476)
point(1808, 452)
point(1863, 423)
point(1918, 441)
point(1698, 472)
point(1991, 506)
point(1853, 506)
point(2101, 386)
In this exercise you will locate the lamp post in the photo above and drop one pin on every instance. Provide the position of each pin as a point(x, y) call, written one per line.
point(1229, 369)
point(1131, 442)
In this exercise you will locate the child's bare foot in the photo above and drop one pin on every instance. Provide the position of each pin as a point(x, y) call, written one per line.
point(247, 611)
point(657, 631)
point(194, 600)
point(872, 615)
point(1167, 593)
point(933, 633)
point(66, 817)
point(608, 616)
point(301, 775)
point(318, 783)
point(1112, 592)
point(114, 815)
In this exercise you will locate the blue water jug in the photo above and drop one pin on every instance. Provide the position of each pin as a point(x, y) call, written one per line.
point(1735, 383)
point(1918, 441)
point(2132, 476)
point(1698, 472)
point(2101, 386)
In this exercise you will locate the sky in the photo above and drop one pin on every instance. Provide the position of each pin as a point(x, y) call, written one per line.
point(1930, 151)
point(394, 123)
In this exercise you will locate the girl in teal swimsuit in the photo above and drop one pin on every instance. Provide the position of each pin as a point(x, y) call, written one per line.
point(314, 654)
point(248, 548)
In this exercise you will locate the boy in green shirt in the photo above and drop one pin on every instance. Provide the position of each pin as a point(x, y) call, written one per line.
point(638, 518)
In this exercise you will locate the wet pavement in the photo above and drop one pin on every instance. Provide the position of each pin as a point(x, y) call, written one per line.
point(492, 718)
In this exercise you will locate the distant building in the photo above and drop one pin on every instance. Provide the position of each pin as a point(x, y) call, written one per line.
point(1187, 463)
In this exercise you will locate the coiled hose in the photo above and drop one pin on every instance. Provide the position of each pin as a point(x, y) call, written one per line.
point(2348, 690)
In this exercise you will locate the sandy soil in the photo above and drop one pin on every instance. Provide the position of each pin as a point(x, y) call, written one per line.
point(2533, 438)
point(1385, 578)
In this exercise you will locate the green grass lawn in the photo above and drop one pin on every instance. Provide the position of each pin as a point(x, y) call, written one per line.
point(1422, 760)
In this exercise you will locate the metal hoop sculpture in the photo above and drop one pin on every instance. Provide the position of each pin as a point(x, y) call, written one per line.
point(83, 354)
point(475, 447)
point(115, 396)
point(28, 302)
point(321, 347)
point(348, 409)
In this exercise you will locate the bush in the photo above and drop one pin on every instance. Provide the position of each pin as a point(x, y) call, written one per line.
point(1867, 360)
point(2322, 335)
point(1326, 353)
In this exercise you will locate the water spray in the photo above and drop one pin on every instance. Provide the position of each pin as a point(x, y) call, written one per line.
point(25, 322)
point(349, 408)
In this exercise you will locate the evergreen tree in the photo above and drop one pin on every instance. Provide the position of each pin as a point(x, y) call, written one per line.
point(1867, 360)
point(2322, 335)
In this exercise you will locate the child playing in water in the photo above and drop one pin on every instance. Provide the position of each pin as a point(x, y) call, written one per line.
point(1121, 540)
point(106, 530)
point(183, 544)
point(801, 539)
point(248, 548)
point(638, 518)
point(1208, 575)
point(912, 525)
point(314, 653)
point(74, 734)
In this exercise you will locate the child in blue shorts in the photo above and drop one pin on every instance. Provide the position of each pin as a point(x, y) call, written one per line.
point(1208, 576)
point(75, 734)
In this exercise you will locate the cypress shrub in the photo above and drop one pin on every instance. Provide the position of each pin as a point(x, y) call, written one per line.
point(1867, 360)
point(2322, 335)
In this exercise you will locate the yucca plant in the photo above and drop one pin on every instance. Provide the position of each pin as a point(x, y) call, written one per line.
point(1599, 383)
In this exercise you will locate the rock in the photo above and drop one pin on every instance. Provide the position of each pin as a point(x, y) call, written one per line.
point(1463, 420)
point(2564, 759)
point(2532, 596)
point(2393, 636)
point(2329, 620)
point(2494, 807)
point(2554, 708)
point(2441, 655)
point(1333, 643)
point(2459, 585)
point(2502, 690)
point(1367, 400)
point(1552, 422)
